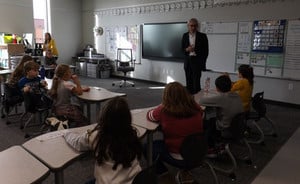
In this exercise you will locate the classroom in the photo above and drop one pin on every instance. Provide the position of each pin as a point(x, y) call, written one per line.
point(231, 25)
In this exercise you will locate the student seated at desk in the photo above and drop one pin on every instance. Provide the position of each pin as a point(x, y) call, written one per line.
point(18, 72)
point(50, 62)
point(13, 94)
point(65, 87)
point(179, 116)
point(244, 86)
point(31, 86)
point(114, 142)
point(228, 104)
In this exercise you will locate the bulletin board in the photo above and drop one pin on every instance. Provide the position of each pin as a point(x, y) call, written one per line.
point(292, 51)
point(271, 47)
point(122, 37)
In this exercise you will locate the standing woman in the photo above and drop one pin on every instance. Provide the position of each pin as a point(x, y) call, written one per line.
point(195, 47)
point(49, 44)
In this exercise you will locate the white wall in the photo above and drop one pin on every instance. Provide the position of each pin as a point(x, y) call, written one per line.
point(275, 89)
point(16, 16)
point(66, 18)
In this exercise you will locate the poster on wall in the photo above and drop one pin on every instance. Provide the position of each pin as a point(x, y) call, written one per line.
point(292, 52)
point(244, 37)
point(268, 36)
point(121, 37)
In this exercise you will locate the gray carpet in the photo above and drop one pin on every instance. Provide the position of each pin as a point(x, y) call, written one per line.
point(144, 95)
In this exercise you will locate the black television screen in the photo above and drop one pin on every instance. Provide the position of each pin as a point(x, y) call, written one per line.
point(163, 40)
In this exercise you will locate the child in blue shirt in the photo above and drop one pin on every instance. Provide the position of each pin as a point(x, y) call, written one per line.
point(32, 86)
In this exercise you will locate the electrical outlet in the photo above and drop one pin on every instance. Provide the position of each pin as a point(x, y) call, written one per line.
point(291, 86)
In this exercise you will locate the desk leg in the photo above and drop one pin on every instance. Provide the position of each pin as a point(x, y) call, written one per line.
point(88, 111)
point(98, 105)
point(150, 147)
point(59, 177)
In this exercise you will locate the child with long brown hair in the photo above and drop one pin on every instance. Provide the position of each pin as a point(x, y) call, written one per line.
point(244, 86)
point(18, 72)
point(65, 87)
point(179, 116)
point(114, 142)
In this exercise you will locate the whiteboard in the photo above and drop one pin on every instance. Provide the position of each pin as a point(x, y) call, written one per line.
point(222, 49)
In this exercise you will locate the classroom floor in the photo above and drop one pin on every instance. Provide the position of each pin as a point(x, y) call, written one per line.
point(146, 94)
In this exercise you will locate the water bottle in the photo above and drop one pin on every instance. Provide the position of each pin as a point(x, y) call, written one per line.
point(207, 84)
point(42, 72)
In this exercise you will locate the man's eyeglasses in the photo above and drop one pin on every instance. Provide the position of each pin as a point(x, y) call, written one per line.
point(193, 25)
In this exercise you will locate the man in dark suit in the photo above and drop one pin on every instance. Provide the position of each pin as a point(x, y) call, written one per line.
point(195, 47)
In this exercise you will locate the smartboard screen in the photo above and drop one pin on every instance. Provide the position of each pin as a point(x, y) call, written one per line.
point(162, 41)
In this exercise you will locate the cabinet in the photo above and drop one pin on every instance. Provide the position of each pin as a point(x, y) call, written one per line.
point(92, 66)
point(4, 57)
point(10, 54)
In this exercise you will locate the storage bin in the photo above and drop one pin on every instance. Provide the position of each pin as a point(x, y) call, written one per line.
point(104, 74)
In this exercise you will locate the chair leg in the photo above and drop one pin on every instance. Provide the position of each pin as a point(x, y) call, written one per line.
point(212, 171)
point(249, 158)
point(123, 83)
point(261, 138)
point(230, 170)
point(128, 83)
point(7, 114)
point(179, 179)
point(273, 131)
point(41, 115)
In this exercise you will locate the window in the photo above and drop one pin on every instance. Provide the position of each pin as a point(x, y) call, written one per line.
point(41, 16)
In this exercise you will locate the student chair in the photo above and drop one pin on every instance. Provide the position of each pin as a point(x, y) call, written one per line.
point(193, 151)
point(235, 135)
point(12, 100)
point(38, 112)
point(124, 63)
point(255, 116)
point(146, 176)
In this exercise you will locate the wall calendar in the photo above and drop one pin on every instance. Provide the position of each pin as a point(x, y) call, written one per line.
point(268, 36)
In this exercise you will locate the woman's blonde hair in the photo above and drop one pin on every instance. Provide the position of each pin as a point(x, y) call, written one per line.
point(177, 101)
point(59, 73)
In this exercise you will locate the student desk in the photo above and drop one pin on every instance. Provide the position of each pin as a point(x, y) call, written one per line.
point(285, 165)
point(202, 93)
point(97, 95)
point(210, 111)
point(47, 67)
point(18, 167)
point(139, 118)
point(52, 149)
point(6, 72)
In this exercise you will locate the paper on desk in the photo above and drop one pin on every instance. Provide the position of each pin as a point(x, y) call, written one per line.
point(51, 135)
point(135, 111)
